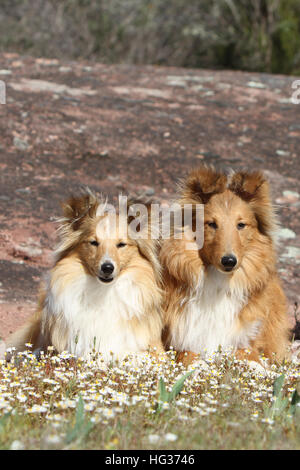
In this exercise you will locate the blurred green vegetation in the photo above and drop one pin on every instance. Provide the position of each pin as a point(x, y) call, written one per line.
point(255, 35)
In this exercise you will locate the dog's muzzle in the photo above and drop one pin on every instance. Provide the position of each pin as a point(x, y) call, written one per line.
point(228, 262)
point(106, 272)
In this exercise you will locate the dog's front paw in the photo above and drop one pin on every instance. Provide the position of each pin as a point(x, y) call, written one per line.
point(199, 366)
point(192, 361)
point(186, 357)
point(262, 370)
point(135, 359)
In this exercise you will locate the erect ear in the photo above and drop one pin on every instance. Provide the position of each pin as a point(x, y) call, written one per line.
point(201, 184)
point(76, 209)
point(255, 189)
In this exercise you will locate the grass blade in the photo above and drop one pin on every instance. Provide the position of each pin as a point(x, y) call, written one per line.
point(178, 386)
point(278, 384)
point(163, 394)
point(82, 425)
point(3, 420)
point(294, 402)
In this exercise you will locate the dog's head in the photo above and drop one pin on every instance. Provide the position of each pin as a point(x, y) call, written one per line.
point(101, 239)
point(237, 213)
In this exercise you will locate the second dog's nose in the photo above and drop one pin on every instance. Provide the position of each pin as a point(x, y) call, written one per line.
point(229, 261)
point(107, 268)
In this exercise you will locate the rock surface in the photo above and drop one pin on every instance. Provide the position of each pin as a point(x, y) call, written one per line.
point(132, 130)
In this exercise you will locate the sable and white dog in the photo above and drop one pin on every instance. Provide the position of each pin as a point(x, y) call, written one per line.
point(226, 293)
point(102, 293)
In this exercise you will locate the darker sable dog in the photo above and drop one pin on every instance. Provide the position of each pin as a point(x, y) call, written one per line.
point(227, 293)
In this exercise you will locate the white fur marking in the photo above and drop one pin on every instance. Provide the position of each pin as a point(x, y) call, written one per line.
point(209, 317)
point(99, 315)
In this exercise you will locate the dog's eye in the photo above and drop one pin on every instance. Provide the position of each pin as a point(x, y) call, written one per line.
point(241, 225)
point(212, 225)
point(94, 243)
point(121, 245)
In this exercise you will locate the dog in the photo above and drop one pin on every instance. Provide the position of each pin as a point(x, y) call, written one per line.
point(226, 293)
point(103, 292)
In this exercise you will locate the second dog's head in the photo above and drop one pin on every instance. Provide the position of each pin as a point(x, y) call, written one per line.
point(238, 217)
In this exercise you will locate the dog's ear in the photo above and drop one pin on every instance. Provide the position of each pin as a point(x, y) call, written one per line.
point(76, 209)
point(255, 189)
point(75, 212)
point(201, 184)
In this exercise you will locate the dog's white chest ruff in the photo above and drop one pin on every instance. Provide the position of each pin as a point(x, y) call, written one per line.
point(209, 317)
point(99, 316)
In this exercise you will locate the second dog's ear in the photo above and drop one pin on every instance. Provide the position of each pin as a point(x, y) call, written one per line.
point(255, 189)
point(202, 184)
point(249, 186)
point(76, 209)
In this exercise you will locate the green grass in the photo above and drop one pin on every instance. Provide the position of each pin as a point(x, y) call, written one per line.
point(61, 403)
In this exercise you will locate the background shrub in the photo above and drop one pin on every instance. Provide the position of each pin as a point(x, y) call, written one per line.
point(258, 35)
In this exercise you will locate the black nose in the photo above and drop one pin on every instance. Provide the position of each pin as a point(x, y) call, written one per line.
point(107, 268)
point(229, 261)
